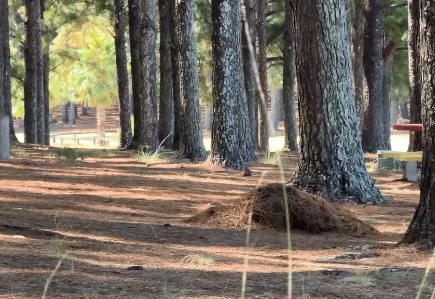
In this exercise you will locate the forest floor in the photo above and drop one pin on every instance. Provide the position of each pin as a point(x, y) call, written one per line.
point(117, 228)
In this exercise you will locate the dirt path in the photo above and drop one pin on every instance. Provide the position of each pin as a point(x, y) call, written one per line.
point(120, 226)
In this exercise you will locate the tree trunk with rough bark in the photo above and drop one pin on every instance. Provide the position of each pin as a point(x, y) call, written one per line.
point(262, 72)
point(276, 110)
point(358, 22)
point(42, 113)
point(422, 227)
point(175, 57)
point(331, 162)
point(5, 68)
point(394, 108)
point(415, 142)
point(46, 82)
point(388, 55)
point(166, 111)
point(248, 67)
point(73, 114)
point(289, 76)
point(208, 117)
point(373, 135)
point(120, 16)
point(143, 66)
point(64, 113)
point(230, 148)
point(192, 143)
point(32, 81)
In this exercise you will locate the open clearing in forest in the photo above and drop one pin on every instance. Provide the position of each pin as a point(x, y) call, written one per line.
point(107, 214)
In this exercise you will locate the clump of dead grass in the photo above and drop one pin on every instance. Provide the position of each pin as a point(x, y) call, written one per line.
point(308, 213)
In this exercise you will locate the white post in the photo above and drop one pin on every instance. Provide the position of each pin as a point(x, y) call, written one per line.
point(5, 145)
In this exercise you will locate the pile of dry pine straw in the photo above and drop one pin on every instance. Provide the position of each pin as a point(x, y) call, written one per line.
point(308, 213)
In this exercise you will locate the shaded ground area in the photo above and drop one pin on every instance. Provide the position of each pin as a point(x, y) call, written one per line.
point(120, 227)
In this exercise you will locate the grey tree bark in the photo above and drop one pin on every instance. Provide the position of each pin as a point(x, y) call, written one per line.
point(373, 135)
point(32, 80)
point(73, 114)
point(276, 110)
point(5, 68)
point(120, 16)
point(64, 113)
point(166, 104)
point(415, 142)
point(208, 117)
point(46, 82)
point(422, 227)
point(41, 112)
point(331, 162)
point(230, 148)
point(143, 65)
point(262, 72)
point(248, 68)
point(358, 22)
point(289, 76)
point(175, 57)
point(388, 56)
point(192, 143)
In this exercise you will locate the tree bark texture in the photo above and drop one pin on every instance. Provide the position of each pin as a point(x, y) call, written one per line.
point(373, 125)
point(276, 110)
point(192, 143)
point(175, 57)
point(422, 227)
point(415, 142)
point(358, 22)
point(248, 68)
point(5, 68)
point(289, 76)
point(166, 104)
point(120, 15)
point(64, 113)
point(73, 114)
point(331, 162)
point(32, 79)
point(46, 82)
point(143, 69)
point(262, 72)
point(42, 113)
point(388, 55)
point(230, 148)
point(208, 117)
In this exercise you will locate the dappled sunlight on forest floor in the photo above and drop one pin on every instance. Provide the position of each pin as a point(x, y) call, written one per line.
point(118, 226)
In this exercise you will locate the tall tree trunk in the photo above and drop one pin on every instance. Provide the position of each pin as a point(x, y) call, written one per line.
point(46, 82)
point(230, 148)
point(248, 67)
point(394, 109)
point(208, 117)
point(122, 74)
point(73, 114)
point(31, 82)
point(422, 227)
point(358, 22)
point(262, 72)
point(41, 113)
point(276, 110)
point(289, 76)
point(166, 111)
point(373, 127)
point(5, 67)
point(192, 142)
point(64, 113)
point(331, 161)
point(388, 55)
point(404, 111)
point(101, 125)
point(175, 57)
point(415, 142)
point(143, 66)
